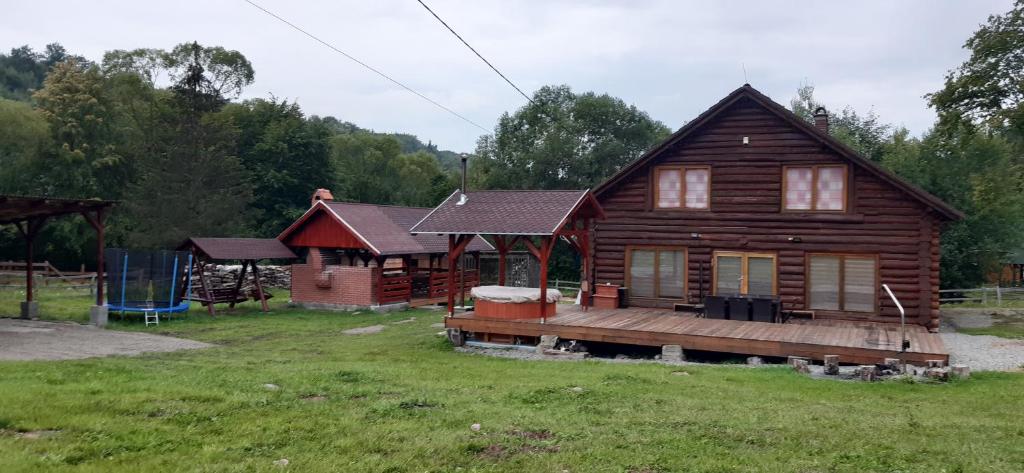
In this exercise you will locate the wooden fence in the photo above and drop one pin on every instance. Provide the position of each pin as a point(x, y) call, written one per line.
point(12, 276)
point(988, 295)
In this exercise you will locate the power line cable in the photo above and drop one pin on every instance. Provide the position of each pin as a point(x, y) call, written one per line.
point(361, 63)
point(482, 58)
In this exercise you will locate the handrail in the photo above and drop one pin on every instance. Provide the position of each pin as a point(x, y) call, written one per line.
point(904, 343)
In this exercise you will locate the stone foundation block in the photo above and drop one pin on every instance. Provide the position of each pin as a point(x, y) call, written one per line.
point(98, 315)
point(672, 353)
point(29, 310)
point(832, 364)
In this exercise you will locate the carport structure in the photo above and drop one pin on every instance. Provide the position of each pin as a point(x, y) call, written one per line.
point(30, 214)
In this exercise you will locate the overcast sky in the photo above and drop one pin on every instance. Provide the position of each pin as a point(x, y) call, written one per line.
point(672, 59)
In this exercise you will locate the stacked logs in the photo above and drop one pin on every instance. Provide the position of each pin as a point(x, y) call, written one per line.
point(225, 275)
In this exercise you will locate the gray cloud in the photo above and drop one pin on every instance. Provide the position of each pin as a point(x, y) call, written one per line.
point(671, 58)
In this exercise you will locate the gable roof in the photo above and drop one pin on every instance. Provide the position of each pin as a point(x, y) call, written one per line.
point(240, 248)
point(383, 229)
point(508, 212)
point(746, 91)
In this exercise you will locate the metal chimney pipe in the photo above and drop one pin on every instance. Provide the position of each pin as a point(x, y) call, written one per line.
point(464, 159)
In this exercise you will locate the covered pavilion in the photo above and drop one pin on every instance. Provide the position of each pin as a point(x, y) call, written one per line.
point(29, 215)
point(535, 218)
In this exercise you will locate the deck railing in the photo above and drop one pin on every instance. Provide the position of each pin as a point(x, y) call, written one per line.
point(395, 288)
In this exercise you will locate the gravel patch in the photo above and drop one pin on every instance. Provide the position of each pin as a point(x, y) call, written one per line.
point(524, 352)
point(38, 340)
point(984, 352)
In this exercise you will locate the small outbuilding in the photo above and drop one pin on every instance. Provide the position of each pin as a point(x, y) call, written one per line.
point(362, 255)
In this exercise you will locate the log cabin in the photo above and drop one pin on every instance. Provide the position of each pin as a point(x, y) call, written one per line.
point(749, 198)
point(362, 256)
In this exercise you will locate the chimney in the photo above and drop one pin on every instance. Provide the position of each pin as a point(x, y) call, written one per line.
point(463, 198)
point(821, 119)
point(322, 194)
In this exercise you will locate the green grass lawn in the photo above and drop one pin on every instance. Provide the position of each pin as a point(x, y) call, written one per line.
point(402, 400)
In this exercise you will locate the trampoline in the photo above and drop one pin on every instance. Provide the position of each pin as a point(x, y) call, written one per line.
point(150, 282)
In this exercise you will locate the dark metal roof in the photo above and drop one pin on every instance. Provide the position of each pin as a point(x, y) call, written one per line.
point(385, 228)
point(240, 248)
point(18, 208)
point(747, 91)
point(514, 212)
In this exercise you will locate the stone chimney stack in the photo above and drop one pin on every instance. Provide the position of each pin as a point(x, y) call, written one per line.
point(821, 119)
point(322, 194)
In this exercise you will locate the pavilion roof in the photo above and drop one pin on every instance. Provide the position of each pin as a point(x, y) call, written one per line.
point(508, 212)
point(19, 208)
point(240, 248)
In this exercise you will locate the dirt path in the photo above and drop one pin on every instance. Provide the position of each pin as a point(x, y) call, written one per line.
point(38, 340)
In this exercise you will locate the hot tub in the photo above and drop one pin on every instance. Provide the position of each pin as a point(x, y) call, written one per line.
point(501, 302)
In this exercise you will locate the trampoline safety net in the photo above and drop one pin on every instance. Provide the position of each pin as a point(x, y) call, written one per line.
point(147, 280)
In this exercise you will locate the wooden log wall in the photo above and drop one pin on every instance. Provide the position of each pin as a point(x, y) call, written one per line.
point(746, 215)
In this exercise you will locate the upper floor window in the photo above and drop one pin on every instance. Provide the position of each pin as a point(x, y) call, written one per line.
point(815, 188)
point(680, 187)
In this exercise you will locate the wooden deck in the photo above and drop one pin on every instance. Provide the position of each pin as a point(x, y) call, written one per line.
point(854, 343)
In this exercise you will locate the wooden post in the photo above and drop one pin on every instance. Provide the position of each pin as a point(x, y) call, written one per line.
point(97, 224)
point(545, 243)
point(259, 286)
point(29, 233)
point(499, 244)
point(451, 276)
point(203, 283)
point(238, 283)
point(585, 265)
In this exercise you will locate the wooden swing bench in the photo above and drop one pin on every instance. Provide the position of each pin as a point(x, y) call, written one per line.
point(227, 295)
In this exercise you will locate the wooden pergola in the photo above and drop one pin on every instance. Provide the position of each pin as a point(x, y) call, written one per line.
point(30, 214)
point(536, 219)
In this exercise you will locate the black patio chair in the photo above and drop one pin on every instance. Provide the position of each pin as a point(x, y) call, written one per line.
point(762, 309)
point(715, 308)
point(739, 308)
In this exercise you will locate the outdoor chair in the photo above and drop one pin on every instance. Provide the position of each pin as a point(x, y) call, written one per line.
point(763, 309)
point(715, 308)
point(739, 308)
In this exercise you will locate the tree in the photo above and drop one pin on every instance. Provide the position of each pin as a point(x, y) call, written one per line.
point(419, 180)
point(74, 103)
point(975, 172)
point(563, 140)
point(286, 157)
point(866, 134)
point(22, 70)
point(24, 140)
point(362, 162)
point(986, 89)
point(193, 184)
point(225, 72)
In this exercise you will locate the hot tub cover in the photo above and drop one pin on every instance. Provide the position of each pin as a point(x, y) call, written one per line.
point(513, 295)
